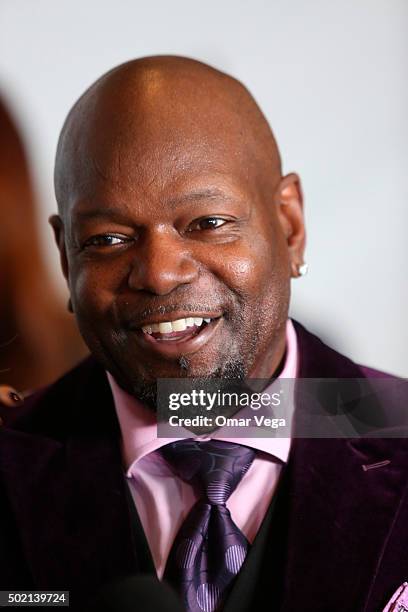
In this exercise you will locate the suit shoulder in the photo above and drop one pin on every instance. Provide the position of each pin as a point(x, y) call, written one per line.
point(372, 373)
point(319, 360)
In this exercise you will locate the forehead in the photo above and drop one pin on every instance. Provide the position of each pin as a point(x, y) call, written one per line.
point(148, 135)
point(157, 158)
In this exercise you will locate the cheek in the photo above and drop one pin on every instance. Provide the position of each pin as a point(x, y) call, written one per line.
point(244, 272)
point(255, 267)
point(92, 289)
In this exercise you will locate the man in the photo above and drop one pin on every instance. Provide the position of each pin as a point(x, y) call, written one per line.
point(178, 237)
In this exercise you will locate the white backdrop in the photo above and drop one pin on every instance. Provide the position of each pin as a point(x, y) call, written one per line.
point(331, 78)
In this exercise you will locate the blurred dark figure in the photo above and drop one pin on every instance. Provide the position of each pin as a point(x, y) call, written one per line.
point(38, 337)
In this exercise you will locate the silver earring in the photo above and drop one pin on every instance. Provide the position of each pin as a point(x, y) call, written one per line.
point(302, 269)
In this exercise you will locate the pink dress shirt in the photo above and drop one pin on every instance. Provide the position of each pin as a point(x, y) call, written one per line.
point(163, 501)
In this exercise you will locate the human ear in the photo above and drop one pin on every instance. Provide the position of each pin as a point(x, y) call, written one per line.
point(58, 227)
point(289, 199)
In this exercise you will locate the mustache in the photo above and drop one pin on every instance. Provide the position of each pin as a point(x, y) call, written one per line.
point(136, 313)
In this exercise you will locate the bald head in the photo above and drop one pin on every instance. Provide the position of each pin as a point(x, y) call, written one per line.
point(165, 103)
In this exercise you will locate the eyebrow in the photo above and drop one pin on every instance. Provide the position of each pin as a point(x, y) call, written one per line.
point(111, 212)
point(107, 212)
point(211, 193)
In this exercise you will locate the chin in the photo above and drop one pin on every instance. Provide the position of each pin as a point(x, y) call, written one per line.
point(144, 387)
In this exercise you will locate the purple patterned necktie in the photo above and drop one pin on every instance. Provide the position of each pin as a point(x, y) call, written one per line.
point(209, 549)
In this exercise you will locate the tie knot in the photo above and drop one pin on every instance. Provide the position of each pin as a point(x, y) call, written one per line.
point(215, 467)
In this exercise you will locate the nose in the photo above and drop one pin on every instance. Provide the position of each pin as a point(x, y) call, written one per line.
point(162, 264)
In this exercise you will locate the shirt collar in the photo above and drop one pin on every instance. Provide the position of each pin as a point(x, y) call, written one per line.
point(138, 424)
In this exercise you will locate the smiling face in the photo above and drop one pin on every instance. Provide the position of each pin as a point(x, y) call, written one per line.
point(178, 232)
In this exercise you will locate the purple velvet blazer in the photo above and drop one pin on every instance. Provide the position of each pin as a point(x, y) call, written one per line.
point(334, 539)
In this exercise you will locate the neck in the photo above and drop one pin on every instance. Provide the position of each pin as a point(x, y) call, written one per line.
point(270, 363)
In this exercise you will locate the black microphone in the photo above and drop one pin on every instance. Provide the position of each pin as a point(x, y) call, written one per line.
point(141, 593)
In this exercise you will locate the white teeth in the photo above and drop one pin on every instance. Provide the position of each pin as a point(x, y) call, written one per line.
point(165, 328)
point(179, 325)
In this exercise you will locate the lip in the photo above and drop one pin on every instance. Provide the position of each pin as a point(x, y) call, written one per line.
point(176, 348)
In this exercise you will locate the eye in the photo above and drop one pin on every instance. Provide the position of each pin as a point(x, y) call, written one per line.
point(208, 223)
point(105, 240)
